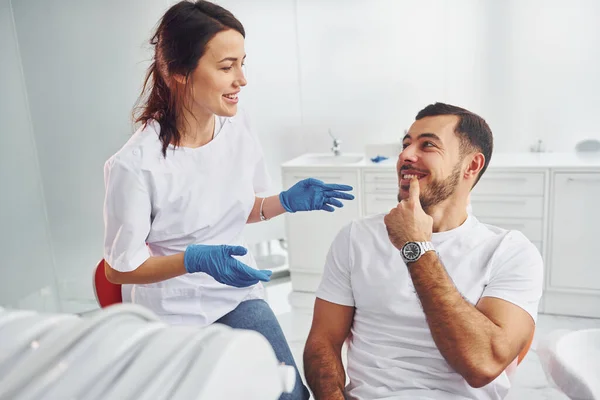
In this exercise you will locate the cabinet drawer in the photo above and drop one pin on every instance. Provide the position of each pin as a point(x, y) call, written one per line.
point(381, 187)
point(512, 184)
point(383, 176)
point(346, 178)
point(380, 203)
point(507, 206)
point(531, 228)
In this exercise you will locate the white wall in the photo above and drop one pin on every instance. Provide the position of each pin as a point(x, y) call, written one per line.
point(27, 266)
point(84, 63)
point(551, 59)
point(528, 67)
point(368, 67)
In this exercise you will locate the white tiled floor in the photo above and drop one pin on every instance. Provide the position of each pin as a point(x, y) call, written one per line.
point(530, 381)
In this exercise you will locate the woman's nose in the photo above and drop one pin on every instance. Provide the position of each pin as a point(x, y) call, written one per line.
point(241, 81)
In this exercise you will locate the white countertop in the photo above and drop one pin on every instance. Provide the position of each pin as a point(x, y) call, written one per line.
point(545, 160)
point(499, 160)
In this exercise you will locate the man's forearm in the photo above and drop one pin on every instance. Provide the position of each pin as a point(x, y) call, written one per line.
point(467, 339)
point(324, 371)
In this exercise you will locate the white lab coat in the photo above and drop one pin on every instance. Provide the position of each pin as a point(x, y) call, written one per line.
point(157, 206)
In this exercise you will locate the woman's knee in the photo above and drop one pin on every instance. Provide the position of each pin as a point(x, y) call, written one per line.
point(250, 314)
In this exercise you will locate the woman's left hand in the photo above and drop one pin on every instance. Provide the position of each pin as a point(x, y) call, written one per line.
point(312, 194)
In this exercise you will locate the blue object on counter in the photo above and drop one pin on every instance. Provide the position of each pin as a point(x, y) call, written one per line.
point(378, 159)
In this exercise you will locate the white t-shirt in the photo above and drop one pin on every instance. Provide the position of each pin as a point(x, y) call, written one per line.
point(157, 206)
point(391, 353)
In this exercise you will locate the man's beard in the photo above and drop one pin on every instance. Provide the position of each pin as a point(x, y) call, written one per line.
point(438, 190)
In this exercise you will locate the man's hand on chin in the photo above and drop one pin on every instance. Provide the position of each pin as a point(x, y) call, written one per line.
point(408, 222)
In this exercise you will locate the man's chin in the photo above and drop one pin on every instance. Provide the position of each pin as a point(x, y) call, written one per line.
point(403, 193)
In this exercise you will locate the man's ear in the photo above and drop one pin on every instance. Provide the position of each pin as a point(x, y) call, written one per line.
point(475, 165)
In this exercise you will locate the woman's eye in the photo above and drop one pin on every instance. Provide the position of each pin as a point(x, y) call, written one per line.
point(226, 68)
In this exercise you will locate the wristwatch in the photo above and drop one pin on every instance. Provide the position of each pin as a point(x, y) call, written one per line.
point(412, 251)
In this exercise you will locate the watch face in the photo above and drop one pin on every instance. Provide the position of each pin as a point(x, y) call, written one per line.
point(411, 251)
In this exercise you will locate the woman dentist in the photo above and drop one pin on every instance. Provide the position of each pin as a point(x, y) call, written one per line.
point(180, 191)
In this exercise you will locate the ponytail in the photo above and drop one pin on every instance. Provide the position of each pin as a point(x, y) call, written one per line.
point(161, 106)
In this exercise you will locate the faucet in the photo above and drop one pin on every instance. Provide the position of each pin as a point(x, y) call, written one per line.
point(336, 144)
point(538, 147)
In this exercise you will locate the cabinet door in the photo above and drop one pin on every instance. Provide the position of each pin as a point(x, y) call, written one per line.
point(310, 234)
point(575, 234)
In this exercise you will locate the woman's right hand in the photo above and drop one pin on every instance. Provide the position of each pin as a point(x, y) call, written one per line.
point(217, 261)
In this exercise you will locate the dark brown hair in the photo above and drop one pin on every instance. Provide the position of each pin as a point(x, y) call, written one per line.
point(179, 42)
point(473, 131)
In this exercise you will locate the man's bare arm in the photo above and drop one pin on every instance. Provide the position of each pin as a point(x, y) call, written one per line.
point(479, 342)
point(323, 366)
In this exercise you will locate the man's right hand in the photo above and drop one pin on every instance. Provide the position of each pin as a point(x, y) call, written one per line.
point(217, 261)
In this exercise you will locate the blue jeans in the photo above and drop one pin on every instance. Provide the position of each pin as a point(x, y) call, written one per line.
point(256, 315)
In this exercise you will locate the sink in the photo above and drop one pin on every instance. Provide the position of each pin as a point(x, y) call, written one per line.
point(333, 159)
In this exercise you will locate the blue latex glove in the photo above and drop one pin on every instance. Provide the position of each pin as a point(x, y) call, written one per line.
point(312, 194)
point(217, 261)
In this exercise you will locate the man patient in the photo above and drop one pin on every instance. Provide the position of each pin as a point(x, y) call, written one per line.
point(433, 303)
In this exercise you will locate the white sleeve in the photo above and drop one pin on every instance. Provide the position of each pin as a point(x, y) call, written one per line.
point(127, 213)
point(336, 284)
point(518, 273)
point(261, 179)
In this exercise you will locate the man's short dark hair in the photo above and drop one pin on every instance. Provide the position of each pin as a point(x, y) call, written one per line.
point(474, 133)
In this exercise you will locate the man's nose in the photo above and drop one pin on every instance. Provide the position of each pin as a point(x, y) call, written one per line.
point(408, 155)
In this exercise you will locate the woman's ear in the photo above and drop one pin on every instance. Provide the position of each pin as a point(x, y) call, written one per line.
point(180, 79)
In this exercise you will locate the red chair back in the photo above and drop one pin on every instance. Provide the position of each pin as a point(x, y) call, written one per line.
point(107, 293)
point(523, 352)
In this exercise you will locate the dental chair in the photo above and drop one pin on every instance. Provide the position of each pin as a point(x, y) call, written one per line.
point(106, 293)
point(125, 352)
point(512, 367)
point(571, 360)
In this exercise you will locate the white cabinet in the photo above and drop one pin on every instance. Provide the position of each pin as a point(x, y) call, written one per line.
point(510, 182)
point(380, 191)
point(573, 275)
point(512, 199)
point(552, 199)
point(310, 234)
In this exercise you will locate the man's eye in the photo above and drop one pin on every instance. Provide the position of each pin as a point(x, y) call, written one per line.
point(405, 145)
point(428, 144)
